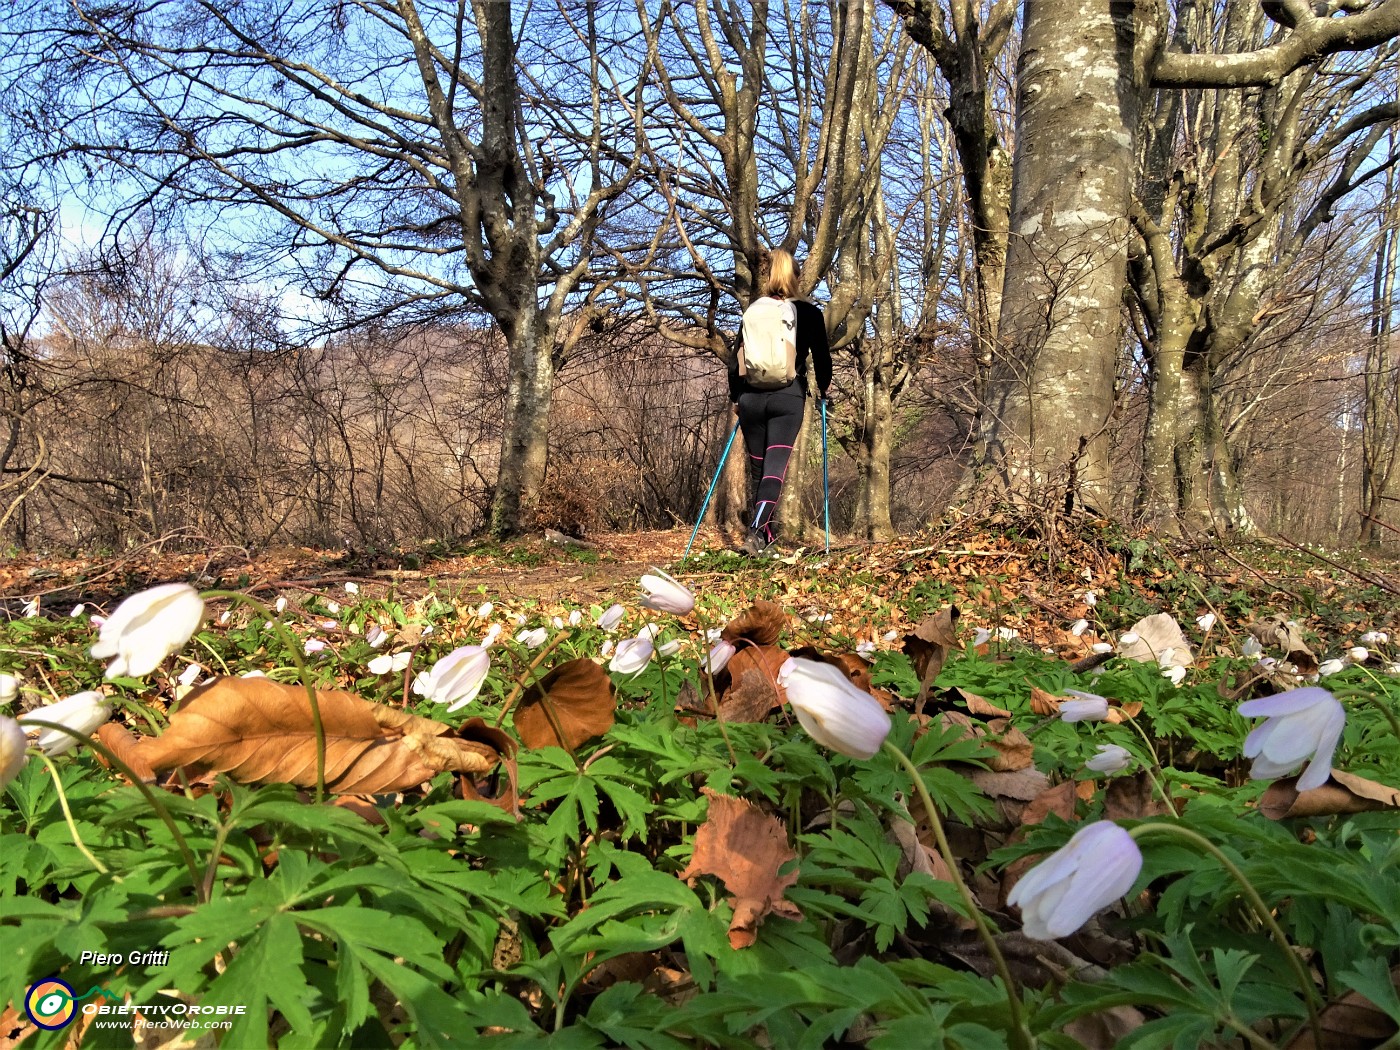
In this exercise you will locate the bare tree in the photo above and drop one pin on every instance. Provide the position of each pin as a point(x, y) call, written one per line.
point(390, 149)
point(1087, 71)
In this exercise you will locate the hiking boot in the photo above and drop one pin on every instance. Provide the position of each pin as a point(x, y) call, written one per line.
point(756, 544)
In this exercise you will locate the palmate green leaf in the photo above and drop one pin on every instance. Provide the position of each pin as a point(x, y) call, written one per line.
point(626, 1016)
point(1371, 977)
point(266, 968)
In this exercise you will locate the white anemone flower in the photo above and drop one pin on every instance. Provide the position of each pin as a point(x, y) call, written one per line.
point(1079, 627)
point(1101, 647)
point(390, 663)
point(1175, 675)
point(280, 605)
point(9, 687)
point(718, 656)
point(1251, 647)
point(631, 655)
point(312, 646)
point(456, 678)
point(12, 745)
point(610, 617)
point(664, 594)
point(1110, 759)
point(1358, 654)
point(1331, 667)
point(376, 636)
point(1087, 874)
point(147, 627)
point(1206, 621)
point(1374, 638)
point(1300, 725)
point(1084, 707)
point(352, 588)
point(81, 712)
point(834, 712)
point(575, 618)
point(532, 639)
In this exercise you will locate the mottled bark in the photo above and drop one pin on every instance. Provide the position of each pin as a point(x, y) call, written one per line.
point(1081, 82)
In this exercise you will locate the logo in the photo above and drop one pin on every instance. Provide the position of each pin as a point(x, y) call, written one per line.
point(50, 1004)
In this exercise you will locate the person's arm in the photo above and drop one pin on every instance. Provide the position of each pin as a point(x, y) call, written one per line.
point(811, 333)
point(735, 383)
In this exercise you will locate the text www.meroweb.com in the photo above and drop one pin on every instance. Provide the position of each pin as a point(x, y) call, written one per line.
point(167, 1022)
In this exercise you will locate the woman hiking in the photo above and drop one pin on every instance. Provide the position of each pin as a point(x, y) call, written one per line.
point(768, 386)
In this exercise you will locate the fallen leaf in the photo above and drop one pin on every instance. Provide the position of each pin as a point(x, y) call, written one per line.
point(750, 698)
point(760, 624)
point(569, 706)
point(1012, 749)
point(928, 646)
point(258, 731)
point(980, 705)
point(745, 848)
point(1043, 704)
point(1132, 798)
point(1352, 1022)
point(1342, 793)
point(127, 747)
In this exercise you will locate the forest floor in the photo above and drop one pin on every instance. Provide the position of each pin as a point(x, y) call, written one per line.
point(1002, 572)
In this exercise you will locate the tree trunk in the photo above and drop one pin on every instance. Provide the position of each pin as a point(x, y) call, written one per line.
point(525, 435)
point(1081, 85)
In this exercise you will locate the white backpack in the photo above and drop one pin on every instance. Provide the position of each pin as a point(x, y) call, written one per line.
point(769, 356)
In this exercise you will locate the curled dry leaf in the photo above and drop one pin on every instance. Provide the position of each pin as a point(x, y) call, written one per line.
point(980, 705)
point(127, 747)
point(567, 707)
point(1043, 704)
point(1013, 749)
point(927, 647)
point(1343, 793)
point(257, 730)
point(745, 848)
point(750, 697)
point(760, 624)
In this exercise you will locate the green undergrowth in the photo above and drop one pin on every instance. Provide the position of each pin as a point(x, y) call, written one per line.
point(445, 922)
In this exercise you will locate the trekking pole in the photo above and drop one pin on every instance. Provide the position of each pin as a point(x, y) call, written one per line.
point(724, 456)
point(826, 485)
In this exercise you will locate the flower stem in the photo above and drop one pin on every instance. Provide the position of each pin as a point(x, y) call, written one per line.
point(1256, 902)
point(298, 658)
point(1155, 772)
point(1021, 1036)
point(68, 813)
point(521, 681)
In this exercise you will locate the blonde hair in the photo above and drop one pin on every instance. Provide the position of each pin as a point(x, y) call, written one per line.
point(782, 276)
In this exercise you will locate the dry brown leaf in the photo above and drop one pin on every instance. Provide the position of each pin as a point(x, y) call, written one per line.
point(1060, 800)
point(257, 730)
point(569, 706)
point(1043, 704)
point(1013, 749)
point(749, 698)
point(1352, 1022)
point(928, 646)
point(980, 705)
point(1132, 798)
point(127, 748)
point(745, 848)
point(1021, 784)
point(1342, 793)
point(760, 624)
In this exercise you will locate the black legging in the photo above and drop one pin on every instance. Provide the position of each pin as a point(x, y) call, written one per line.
point(771, 421)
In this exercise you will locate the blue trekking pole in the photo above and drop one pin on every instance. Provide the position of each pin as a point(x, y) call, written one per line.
point(826, 485)
point(724, 457)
